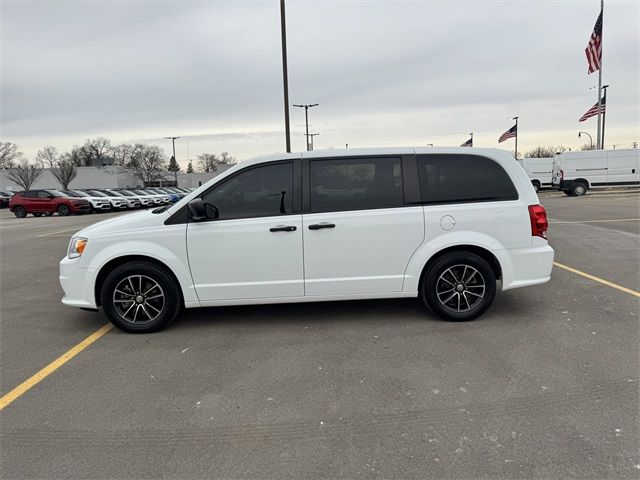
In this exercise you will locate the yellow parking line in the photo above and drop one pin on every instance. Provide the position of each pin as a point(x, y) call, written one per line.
point(53, 366)
point(599, 221)
point(599, 280)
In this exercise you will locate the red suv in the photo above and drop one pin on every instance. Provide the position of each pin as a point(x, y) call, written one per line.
point(46, 202)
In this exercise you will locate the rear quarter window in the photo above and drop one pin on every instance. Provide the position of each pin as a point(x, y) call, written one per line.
point(462, 178)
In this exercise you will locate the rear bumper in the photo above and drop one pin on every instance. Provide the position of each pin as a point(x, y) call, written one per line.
point(527, 266)
point(77, 283)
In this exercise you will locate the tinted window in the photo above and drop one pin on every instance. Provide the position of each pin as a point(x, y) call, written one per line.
point(463, 178)
point(31, 194)
point(355, 184)
point(258, 192)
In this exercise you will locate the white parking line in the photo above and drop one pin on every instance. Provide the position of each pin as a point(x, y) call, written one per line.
point(54, 234)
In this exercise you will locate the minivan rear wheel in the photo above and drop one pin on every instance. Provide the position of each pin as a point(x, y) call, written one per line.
point(140, 297)
point(459, 286)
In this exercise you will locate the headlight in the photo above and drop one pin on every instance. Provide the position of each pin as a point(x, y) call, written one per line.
point(76, 247)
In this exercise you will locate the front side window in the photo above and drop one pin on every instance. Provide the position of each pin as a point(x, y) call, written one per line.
point(463, 178)
point(355, 184)
point(263, 191)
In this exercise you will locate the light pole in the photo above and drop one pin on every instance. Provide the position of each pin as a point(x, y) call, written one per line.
point(311, 135)
point(588, 135)
point(175, 172)
point(285, 77)
point(306, 118)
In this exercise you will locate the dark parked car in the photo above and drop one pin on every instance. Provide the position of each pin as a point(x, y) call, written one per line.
point(4, 199)
point(46, 202)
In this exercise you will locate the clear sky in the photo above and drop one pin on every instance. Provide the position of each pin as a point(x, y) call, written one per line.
point(385, 73)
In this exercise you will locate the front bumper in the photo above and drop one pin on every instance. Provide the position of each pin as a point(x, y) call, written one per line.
point(80, 208)
point(77, 283)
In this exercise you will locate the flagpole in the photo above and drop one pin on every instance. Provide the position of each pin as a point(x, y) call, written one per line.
point(604, 113)
point(516, 154)
point(599, 142)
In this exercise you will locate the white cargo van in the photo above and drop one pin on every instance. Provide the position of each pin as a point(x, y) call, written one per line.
point(539, 171)
point(576, 172)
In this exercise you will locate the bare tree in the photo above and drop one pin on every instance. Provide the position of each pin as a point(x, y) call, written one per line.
point(95, 152)
point(225, 158)
point(147, 163)
point(48, 156)
point(64, 171)
point(9, 155)
point(25, 174)
point(542, 151)
point(208, 162)
point(121, 154)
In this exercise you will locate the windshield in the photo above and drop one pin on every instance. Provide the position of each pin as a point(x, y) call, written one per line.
point(69, 193)
point(78, 193)
point(56, 193)
point(114, 193)
point(97, 193)
point(127, 193)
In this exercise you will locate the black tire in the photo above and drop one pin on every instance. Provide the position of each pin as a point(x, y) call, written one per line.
point(567, 193)
point(116, 304)
point(536, 185)
point(63, 210)
point(19, 211)
point(438, 279)
point(578, 189)
point(37, 214)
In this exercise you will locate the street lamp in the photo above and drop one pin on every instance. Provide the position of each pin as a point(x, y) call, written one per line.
point(306, 117)
point(175, 172)
point(311, 135)
point(587, 134)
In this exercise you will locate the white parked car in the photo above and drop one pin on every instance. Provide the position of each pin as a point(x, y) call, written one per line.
point(98, 204)
point(538, 170)
point(576, 172)
point(117, 203)
point(441, 224)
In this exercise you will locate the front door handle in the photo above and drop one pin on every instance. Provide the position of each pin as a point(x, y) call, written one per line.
point(319, 226)
point(283, 228)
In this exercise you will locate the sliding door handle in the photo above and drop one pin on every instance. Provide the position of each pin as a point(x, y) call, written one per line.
point(283, 228)
point(320, 226)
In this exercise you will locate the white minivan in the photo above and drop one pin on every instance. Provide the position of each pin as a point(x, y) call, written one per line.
point(441, 224)
point(538, 170)
point(576, 172)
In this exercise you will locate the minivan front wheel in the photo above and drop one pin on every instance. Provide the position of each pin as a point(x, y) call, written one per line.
point(140, 297)
point(459, 286)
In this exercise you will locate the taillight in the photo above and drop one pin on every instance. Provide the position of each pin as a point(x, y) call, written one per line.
point(539, 224)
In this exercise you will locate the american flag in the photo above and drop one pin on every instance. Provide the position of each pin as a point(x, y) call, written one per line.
point(468, 143)
point(594, 48)
point(593, 111)
point(512, 132)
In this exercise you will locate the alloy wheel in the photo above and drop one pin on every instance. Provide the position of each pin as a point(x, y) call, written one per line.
point(460, 288)
point(138, 299)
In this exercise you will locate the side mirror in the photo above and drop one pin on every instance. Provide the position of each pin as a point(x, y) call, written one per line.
point(197, 212)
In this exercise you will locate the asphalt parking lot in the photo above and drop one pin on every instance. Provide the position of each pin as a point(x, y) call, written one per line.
point(545, 385)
